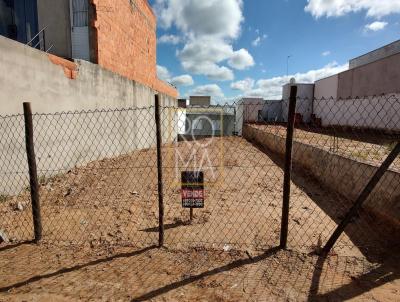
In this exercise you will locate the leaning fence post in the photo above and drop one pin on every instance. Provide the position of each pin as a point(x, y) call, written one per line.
point(362, 198)
point(33, 179)
point(288, 167)
point(159, 174)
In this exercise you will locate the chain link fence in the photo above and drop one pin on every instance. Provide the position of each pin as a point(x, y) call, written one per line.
point(98, 175)
point(338, 145)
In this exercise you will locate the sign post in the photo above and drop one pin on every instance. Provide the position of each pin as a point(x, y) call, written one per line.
point(192, 190)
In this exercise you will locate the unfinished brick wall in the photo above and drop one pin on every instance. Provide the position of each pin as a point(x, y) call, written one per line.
point(126, 41)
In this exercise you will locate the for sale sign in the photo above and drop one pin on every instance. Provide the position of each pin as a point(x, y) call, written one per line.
point(192, 189)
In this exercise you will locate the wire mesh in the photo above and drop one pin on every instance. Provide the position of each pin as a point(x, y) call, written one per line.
point(242, 185)
point(337, 147)
point(15, 213)
point(98, 175)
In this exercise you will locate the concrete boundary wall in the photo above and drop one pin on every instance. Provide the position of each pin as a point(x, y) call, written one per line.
point(377, 112)
point(340, 174)
point(64, 141)
point(53, 84)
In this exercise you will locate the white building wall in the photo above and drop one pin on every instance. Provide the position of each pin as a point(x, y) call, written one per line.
point(380, 112)
point(374, 112)
point(247, 111)
point(305, 95)
point(239, 118)
point(326, 88)
point(272, 111)
point(181, 119)
point(252, 107)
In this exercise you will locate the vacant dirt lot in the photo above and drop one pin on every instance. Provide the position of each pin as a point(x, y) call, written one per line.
point(49, 273)
point(114, 201)
point(97, 220)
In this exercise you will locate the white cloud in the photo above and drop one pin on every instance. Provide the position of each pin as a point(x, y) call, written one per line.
point(243, 85)
point(214, 72)
point(241, 59)
point(183, 80)
point(163, 73)
point(169, 39)
point(272, 87)
point(209, 28)
point(202, 18)
point(336, 8)
point(209, 90)
point(326, 53)
point(376, 26)
point(202, 56)
point(258, 40)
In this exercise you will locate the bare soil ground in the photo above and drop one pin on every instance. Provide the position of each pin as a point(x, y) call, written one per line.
point(50, 273)
point(100, 220)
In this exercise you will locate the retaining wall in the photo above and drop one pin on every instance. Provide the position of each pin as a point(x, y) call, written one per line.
point(340, 174)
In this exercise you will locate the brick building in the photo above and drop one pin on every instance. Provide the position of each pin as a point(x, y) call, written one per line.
point(125, 34)
point(119, 35)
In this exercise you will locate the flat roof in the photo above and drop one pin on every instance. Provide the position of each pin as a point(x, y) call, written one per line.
point(377, 49)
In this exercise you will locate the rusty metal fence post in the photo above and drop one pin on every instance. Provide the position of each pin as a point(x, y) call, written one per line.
point(159, 173)
point(33, 179)
point(362, 198)
point(288, 167)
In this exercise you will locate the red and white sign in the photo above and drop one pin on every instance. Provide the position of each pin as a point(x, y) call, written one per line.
point(192, 189)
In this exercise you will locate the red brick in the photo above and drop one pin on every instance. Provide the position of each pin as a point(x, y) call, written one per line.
point(70, 68)
point(127, 41)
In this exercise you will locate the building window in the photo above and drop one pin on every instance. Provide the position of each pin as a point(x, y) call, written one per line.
point(18, 19)
point(80, 13)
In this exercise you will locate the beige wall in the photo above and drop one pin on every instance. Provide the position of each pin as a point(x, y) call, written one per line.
point(200, 100)
point(374, 79)
point(377, 78)
point(366, 107)
point(326, 88)
point(377, 54)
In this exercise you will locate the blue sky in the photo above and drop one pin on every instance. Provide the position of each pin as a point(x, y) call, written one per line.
point(234, 48)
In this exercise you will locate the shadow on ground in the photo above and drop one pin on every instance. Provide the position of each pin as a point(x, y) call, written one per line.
point(65, 270)
point(48, 272)
point(374, 239)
